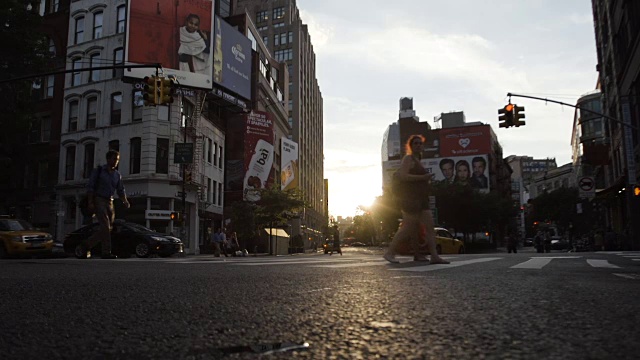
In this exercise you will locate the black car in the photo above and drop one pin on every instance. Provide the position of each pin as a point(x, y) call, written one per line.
point(126, 238)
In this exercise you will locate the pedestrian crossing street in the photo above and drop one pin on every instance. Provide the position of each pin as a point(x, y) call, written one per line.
point(614, 261)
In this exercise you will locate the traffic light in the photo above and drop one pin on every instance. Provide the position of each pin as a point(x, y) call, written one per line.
point(176, 216)
point(151, 91)
point(166, 91)
point(518, 114)
point(187, 176)
point(636, 190)
point(506, 115)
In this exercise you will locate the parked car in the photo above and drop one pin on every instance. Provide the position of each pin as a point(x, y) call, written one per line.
point(126, 238)
point(560, 244)
point(528, 242)
point(19, 238)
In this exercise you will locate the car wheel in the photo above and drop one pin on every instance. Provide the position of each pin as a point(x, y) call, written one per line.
point(439, 249)
point(80, 252)
point(461, 251)
point(142, 250)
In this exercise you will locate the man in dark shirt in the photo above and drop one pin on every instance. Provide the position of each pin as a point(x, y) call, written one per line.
point(479, 179)
point(104, 182)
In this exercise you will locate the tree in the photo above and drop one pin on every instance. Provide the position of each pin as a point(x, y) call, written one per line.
point(24, 52)
point(558, 206)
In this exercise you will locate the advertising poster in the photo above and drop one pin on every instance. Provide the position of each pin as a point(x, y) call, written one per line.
point(259, 154)
point(289, 167)
point(465, 141)
point(232, 59)
point(175, 34)
point(465, 170)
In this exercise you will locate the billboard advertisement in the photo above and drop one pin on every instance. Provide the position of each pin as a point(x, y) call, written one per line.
point(470, 171)
point(258, 154)
point(465, 141)
point(232, 59)
point(175, 34)
point(464, 170)
point(289, 164)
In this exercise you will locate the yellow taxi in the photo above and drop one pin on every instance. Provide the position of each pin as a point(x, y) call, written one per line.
point(18, 237)
point(446, 243)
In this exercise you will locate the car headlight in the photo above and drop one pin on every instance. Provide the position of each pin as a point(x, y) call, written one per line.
point(159, 239)
point(17, 239)
point(48, 237)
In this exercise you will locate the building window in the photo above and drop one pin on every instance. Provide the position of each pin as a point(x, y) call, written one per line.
point(34, 131)
point(89, 152)
point(70, 163)
point(118, 59)
point(291, 37)
point(187, 111)
point(262, 16)
point(278, 25)
point(208, 190)
point(263, 28)
point(116, 108)
point(162, 156)
point(214, 152)
point(276, 40)
point(283, 55)
point(278, 13)
point(210, 150)
point(76, 77)
point(55, 5)
point(283, 38)
point(219, 194)
point(97, 25)
point(122, 18)
point(92, 112)
point(265, 40)
point(43, 173)
point(73, 116)
point(94, 61)
point(79, 34)
point(220, 156)
point(214, 192)
point(138, 103)
point(52, 47)
point(50, 83)
point(134, 157)
point(45, 129)
point(114, 145)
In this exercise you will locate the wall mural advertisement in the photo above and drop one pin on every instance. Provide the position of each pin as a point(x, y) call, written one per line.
point(259, 154)
point(465, 141)
point(232, 59)
point(175, 34)
point(289, 164)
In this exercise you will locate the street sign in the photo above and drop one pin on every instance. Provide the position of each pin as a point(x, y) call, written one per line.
point(183, 153)
point(587, 187)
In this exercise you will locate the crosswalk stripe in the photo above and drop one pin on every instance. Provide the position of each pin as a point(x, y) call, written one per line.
point(445, 266)
point(628, 276)
point(601, 264)
point(534, 263)
point(368, 263)
point(286, 262)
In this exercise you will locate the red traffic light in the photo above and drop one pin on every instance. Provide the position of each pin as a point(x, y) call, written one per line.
point(636, 190)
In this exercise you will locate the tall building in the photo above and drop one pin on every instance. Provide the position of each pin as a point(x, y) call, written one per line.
point(617, 35)
point(28, 191)
point(288, 39)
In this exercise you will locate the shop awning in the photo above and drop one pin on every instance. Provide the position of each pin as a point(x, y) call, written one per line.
point(276, 232)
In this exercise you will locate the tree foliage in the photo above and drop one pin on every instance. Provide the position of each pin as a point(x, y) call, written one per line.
point(558, 206)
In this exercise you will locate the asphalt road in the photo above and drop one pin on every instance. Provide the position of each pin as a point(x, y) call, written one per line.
point(316, 306)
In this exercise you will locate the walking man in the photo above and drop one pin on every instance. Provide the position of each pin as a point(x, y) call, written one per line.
point(219, 240)
point(104, 182)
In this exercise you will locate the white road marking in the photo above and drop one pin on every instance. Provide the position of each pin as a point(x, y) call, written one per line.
point(629, 276)
point(369, 263)
point(445, 266)
point(601, 264)
point(533, 263)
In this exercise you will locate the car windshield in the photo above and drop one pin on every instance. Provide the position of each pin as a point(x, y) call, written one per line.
point(137, 228)
point(14, 225)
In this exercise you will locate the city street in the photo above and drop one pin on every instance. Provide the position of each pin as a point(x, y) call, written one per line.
point(316, 306)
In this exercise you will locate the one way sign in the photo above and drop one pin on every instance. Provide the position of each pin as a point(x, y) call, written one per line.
point(587, 187)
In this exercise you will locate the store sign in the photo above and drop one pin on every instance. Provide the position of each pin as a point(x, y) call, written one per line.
point(157, 214)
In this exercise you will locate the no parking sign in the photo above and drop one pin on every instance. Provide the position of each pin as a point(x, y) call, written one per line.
point(587, 187)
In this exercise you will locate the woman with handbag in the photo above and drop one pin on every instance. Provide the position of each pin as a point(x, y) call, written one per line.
point(413, 199)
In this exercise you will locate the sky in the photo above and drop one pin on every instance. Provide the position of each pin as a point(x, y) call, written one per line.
point(455, 55)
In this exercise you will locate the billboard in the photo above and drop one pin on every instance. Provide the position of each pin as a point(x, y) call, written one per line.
point(232, 59)
point(464, 170)
point(289, 164)
point(465, 141)
point(175, 34)
point(470, 171)
point(258, 154)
